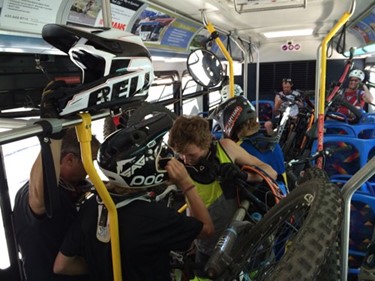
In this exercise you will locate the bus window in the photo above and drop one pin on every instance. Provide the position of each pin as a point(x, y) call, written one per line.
point(19, 157)
point(164, 86)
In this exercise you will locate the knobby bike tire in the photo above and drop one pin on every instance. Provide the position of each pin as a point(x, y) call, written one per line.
point(317, 204)
point(312, 173)
point(288, 143)
point(331, 268)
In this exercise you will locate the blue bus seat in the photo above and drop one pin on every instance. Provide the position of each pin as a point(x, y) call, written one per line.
point(362, 221)
point(332, 127)
point(364, 130)
point(341, 179)
point(350, 161)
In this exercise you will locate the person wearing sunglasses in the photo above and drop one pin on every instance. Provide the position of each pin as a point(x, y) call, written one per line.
point(357, 93)
point(136, 160)
point(214, 166)
point(281, 102)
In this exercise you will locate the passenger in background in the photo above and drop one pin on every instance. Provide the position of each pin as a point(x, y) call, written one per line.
point(132, 160)
point(282, 100)
point(357, 92)
point(238, 121)
point(215, 169)
point(41, 221)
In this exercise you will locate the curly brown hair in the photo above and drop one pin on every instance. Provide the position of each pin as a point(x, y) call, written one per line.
point(190, 130)
point(249, 127)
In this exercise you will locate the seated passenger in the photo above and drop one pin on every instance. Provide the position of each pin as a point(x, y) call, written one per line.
point(356, 94)
point(148, 230)
point(238, 120)
point(281, 102)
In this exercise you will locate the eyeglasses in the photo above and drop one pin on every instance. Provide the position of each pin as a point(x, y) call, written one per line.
point(353, 80)
point(289, 80)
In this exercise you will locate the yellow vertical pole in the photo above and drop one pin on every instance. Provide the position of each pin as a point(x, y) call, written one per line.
point(344, 18)
point(84, 135)
point(211, 30)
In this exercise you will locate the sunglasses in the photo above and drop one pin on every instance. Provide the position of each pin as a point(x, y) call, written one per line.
point(287, 80)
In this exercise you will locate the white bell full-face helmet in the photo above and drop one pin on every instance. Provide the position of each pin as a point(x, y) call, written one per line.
point(116, 66)
point(225, 92)
point(357, 74)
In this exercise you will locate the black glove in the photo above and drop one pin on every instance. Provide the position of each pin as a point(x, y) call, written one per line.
point(230, 171)
point(50, 95)
point(231, 178)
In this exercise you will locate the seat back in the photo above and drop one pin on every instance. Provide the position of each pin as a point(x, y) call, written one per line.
point(332, 127)
point(364, 130)
point(350, 161)
point(362, 221)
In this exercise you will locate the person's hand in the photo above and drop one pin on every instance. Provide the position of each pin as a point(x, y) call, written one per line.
point(231, 178)
point(230, 171)
point(178, 174)
point(48, 107)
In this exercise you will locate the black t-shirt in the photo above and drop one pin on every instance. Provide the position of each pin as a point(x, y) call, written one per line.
point(148, 232)
point(39, 237)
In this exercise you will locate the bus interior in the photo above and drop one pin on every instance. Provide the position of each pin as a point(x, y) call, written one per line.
point(258, 43)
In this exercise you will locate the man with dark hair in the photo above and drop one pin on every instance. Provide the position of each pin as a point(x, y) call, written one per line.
point(41, 221)
point(282, 100)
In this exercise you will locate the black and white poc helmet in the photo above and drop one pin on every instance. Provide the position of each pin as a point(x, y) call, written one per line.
point(115, 65)
point(131, 157)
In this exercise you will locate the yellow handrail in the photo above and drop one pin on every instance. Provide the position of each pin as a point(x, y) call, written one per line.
point(212, 30)
point(344, 18)
point(84, 135)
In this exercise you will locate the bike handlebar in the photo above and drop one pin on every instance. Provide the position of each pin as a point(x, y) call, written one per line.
point(325, 153)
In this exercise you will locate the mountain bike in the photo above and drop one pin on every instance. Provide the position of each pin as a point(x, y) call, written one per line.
point(290, 242)
point(296, 140)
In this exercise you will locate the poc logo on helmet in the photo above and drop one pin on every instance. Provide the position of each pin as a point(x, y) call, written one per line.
point(147, 181)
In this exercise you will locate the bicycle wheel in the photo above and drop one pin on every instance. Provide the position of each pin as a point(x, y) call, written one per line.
point(312, 173)
point(292, 240)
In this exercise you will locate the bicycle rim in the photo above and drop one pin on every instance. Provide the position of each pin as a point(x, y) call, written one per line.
point(293, 239)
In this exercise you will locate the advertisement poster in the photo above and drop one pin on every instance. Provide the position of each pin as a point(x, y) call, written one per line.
point(366, 27)
point(89, 12)
point(28, 15)
point(165, 30)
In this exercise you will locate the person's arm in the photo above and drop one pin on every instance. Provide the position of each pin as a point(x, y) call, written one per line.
point(277, 103)
point(36, 184)
point(241, 157)
point(367, 96)
point(179, 176)
point(70, 265)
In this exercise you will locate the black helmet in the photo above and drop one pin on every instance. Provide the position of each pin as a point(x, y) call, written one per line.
point(233, 113)
point(115, 66)
point(129, 157)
